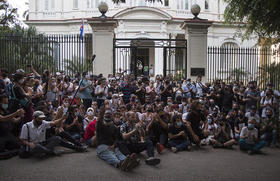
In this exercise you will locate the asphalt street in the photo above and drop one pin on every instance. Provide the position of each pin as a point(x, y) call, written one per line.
point(203, 164)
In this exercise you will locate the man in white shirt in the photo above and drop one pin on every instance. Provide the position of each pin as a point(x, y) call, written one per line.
point(33, 135)
point(249, 139)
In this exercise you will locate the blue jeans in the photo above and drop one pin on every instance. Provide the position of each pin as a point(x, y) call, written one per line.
point(112, 158)
point(179, 144)
point(255, 147)
point(270, 137)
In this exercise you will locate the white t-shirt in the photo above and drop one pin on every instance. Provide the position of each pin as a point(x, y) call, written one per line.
point(36, 135)
point(253, 133)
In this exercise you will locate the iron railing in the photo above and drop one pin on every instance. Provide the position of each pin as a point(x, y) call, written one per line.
point(68, 53)
point(244, 64)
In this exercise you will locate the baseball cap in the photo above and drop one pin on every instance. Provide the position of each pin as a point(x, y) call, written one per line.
point(39, 114)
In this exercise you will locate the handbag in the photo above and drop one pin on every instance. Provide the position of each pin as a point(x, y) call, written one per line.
point(24, 151)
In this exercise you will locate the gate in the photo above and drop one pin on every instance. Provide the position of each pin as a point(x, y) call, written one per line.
point(140, 56)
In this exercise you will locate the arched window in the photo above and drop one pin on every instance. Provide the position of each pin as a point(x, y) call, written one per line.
point(206, 4)
point(228, 56)
point(166, 2)
point(75, 4)
point(46, 4)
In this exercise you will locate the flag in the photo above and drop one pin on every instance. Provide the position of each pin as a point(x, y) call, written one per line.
point(82, 30)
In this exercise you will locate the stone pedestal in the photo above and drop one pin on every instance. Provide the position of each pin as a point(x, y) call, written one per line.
point(102, 42)
point(196, 35)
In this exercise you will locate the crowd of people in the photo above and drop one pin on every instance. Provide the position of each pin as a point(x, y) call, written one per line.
point(122, 116)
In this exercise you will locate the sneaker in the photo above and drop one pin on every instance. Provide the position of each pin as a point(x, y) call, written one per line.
point(152, 161)
point(125, 163)
point(133, 162)
point(159, 148)
point(81, 148)
point(174, 149)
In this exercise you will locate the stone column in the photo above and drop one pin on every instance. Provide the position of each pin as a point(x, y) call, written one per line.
point(196, 35)
point(102, 42)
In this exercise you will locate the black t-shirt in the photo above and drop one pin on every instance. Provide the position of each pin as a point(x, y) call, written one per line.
point(107, 134)
point(175, 130)
point(19, 92)
point(195, 118)
point(69, 120)
point(166, 93)
point(5, 127)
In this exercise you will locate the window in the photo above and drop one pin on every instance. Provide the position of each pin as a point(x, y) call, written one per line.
point(52, 4)
point(186, 4)
point(206, 4)
point(183, 4)
point(141, 3)
point(75, 4)
point(88, 3)
point(227, 56)
point(46, 4)
point(96, 3)
point(166, 2)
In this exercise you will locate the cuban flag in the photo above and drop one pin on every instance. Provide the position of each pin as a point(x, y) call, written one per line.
point(82, 30)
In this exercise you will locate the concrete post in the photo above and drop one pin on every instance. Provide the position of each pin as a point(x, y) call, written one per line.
point(102, 42)
point(196, 35)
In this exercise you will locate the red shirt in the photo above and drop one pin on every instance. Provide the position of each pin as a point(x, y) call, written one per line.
point(90, 131)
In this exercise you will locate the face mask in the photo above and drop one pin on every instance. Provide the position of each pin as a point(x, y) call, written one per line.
point(87, 77)
point(90, 113)
point(209, 121)
point(54, 84)
point(251, 126)
point(77, 113)
point(21, 81)
point(184, 103)
point(66, 104)
point(269, 115)
point(5, 106)
point(169, 103)
point(179, 124)
point(38, 122)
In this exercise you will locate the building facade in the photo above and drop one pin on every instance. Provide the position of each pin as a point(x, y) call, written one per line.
point(138, 19)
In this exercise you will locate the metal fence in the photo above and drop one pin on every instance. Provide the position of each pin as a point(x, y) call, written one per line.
point(66, 53)
point(244, 64)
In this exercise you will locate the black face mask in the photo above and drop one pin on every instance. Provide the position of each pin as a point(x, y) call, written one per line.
point(150, 110)
point(269, 115)
point(38, 122)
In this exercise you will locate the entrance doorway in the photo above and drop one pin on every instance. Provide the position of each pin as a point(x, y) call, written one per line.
point(142, 61)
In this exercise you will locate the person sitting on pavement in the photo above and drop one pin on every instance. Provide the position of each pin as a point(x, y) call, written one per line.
point(269, 128)
point(33, 136)
point(177, 134)
point(133, 133)
point(108, 136)
point(223, 138)
point(249, 139)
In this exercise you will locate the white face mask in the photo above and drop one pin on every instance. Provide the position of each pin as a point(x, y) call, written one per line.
point(87, 77)
point(91, 113)
point(21, 81)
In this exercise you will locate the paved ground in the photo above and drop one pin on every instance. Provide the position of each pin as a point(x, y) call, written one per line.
point(204, 164)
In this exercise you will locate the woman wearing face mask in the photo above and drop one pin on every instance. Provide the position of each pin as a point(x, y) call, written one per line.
point(89, 118)
point(52, 93)
point(73, 123)
point(177, 133)
point(269, 101)
point(19, 94)
point(8, 141)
